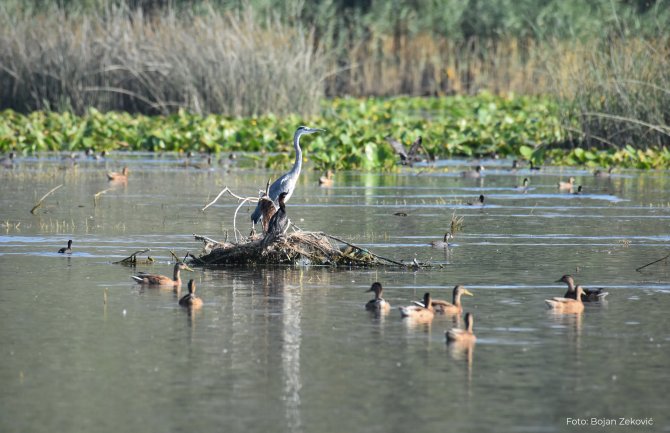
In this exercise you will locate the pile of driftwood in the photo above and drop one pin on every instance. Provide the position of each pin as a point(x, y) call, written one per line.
point(293, 247)
point(298, 247)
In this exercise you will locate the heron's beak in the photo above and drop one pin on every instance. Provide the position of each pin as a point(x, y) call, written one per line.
point(560, 280)
point(369, 290)
point(467, 292)
point(188, 269)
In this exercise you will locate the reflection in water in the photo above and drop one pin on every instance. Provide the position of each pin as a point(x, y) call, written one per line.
point(290, 355)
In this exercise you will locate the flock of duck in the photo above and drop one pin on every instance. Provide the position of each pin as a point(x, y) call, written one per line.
point(423, 312)
point(271, 212)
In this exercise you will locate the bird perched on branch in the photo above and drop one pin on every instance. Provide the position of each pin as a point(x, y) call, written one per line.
point(279, 222)
point(286, 183)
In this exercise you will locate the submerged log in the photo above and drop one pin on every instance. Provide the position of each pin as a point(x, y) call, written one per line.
point(303, 248)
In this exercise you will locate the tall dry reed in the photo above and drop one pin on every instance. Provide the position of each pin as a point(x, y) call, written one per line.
point(122, 60)
point(616, 91)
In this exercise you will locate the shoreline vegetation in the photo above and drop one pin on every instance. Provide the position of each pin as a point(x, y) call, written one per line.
point(148, 74)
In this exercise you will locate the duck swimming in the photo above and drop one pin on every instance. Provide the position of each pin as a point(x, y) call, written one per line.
point(479, 202)
point(378, 303)
point(602, 174)
point(524, 185)
point(190, 300)
point(444, 243)
point(114, 176)
point(327, 180)
point(419, 312)
point(568, 305)
point(463, 336)
point(473, 174)
point(453, 307)
point(589, 295)
point(162, 280)
point(67, 250)
point(567, 185)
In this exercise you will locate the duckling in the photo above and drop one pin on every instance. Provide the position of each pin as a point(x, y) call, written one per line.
point(114, 176)
point(568, 305)
point(378, 303)
point(162, 280)
point(590, 295)
point(479, 202)
point(453, 307)
point(190, 300)
point(327, 180)
point(67, 250)
point(567, 185)
point(419, 312)
point(602, 174)
point(473, 174)
point(579, 190)
point(463, 336)
point(444, 243)
point(533, 167)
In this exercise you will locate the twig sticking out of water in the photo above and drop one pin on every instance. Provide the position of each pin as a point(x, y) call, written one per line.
point(649, 264)
point(132, 259)
point(98, 194)
point(362, 249)
point(39, 202)
point(239, 198)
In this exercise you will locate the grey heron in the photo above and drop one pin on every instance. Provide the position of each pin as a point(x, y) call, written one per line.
point(286, 183)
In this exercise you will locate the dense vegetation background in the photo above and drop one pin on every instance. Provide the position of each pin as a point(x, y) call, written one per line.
point(605, 62)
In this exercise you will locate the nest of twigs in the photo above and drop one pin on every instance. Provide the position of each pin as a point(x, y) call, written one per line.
point(300, 247)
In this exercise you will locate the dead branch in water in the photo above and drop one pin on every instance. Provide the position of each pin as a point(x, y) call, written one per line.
point(654, 262)
point(39, 202)
point(98, 194)
point(132, 259)
point(239, 198)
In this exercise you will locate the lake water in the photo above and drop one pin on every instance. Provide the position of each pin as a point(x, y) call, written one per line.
point(291, 349)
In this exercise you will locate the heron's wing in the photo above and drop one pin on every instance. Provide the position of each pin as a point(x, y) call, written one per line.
point(416, 146)
point(397, 147)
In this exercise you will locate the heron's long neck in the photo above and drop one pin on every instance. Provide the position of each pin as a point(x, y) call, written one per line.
point(298, 154)
point(175, 274)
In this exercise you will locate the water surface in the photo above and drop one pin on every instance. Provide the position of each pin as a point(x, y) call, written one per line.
point(291, 348)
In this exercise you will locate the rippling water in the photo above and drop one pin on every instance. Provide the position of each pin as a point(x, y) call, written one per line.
point(291, 348)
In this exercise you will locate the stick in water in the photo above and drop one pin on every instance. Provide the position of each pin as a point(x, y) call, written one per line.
point(39, 202)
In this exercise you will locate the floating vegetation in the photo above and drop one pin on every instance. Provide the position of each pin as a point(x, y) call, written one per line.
point(40, 201)
point(527, 128)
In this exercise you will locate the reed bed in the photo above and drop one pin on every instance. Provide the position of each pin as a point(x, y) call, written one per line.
point(122, 60)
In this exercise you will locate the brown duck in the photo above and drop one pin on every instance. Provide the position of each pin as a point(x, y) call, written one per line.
point(162, 280)
point(190, 300)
